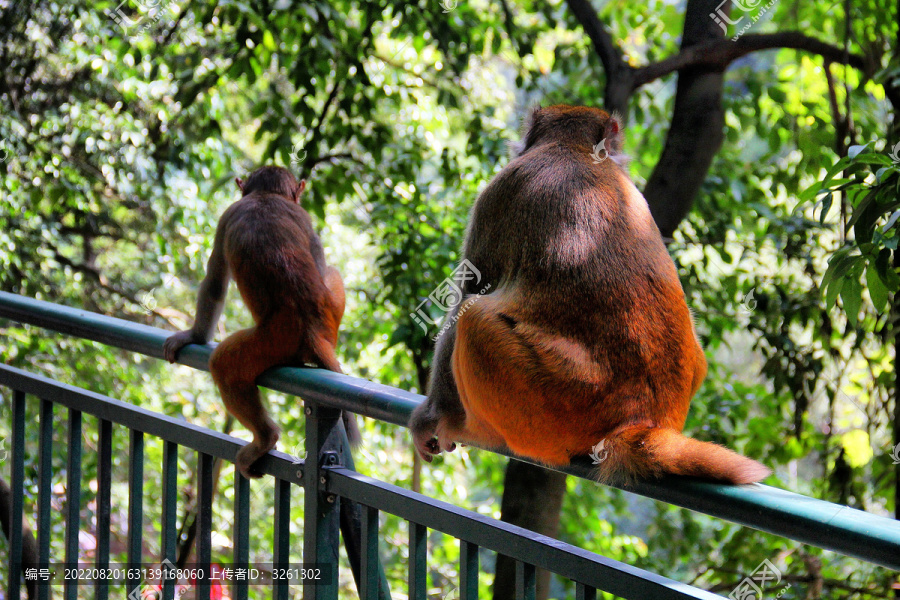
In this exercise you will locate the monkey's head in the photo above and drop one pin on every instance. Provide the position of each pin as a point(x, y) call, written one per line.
point(272, 180)
point(580, 125)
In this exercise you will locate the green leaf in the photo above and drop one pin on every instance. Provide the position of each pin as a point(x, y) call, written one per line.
point(891, 221)
point(872, 158)
point(877, 290)
point(851, 295)
point(826, 206)
point(831, 292)
point(854, 151)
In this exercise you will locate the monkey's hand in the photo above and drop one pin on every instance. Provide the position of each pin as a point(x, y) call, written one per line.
point(176, 342)
point(430, 436)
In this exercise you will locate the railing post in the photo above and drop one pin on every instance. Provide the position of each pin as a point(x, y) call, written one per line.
point(351, 531)
point(282, 535)
point(17, 495)
point(73, 499)
point(321, 512)
point(169, 541)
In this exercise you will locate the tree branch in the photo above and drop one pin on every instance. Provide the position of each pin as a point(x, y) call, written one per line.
point(98, 277)
point(603, 43)
point(720, 53)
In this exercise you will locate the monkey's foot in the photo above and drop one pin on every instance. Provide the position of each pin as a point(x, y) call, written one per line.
point(431, 442)
point(426, 444)
point(176, 342)
point(444, 437)
point(252, 452)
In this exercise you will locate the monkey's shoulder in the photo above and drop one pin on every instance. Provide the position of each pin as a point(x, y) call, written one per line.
point(260, 207)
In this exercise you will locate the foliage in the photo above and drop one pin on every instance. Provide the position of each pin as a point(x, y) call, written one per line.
point(875, 202)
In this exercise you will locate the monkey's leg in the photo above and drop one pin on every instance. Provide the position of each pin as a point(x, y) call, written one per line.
point(322, 353)
point(525, 384)
point(235, 365)
point(335, 286)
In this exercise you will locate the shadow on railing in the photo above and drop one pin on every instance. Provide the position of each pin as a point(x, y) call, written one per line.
point(341, 502)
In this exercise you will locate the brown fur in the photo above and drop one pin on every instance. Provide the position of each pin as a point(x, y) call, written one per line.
point(586, 336)
point(267, 243)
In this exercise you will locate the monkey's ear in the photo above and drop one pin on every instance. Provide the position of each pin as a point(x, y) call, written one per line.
point(240, 183)
point(612, 133)
point(532, 118)
point(299, 191)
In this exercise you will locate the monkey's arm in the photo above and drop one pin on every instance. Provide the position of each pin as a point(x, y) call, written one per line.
point(443, 397)
point(210, 301)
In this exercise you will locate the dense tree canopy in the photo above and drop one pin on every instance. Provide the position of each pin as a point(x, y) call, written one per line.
point(766, 137)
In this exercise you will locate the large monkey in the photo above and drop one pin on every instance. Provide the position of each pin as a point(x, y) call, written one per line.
point(585, 336)
point(267, 243)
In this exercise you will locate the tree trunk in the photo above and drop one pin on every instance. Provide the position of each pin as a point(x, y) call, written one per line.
point(532, 498)
point(696, 132)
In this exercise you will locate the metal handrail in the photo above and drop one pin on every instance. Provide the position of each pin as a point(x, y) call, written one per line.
point(566, 560)
point(831, 526)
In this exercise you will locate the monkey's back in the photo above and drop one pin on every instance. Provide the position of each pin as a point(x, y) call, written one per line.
point(587, 295)
point(275, 256)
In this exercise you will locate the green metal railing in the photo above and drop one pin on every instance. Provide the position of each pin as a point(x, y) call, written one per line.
point(332, 485)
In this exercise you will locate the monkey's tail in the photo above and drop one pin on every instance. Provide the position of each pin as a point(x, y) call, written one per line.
point(354, 435)
point(643, 451)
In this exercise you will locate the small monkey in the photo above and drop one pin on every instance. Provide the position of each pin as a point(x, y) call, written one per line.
point(266, 242)
point(586, 336)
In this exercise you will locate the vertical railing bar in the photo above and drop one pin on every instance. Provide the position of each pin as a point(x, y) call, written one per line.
point(321, 519)
point(17, 489)
point(45, 490)
point(104, 503)
point(204, 525)
point(282, 535)
point(135, 508)
point(73, 498)
point(169, 513)
point(369, 567)
point(468, 570)
point(525, 581)
point(585, 592)
point(418, 561)
point(240, 590)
